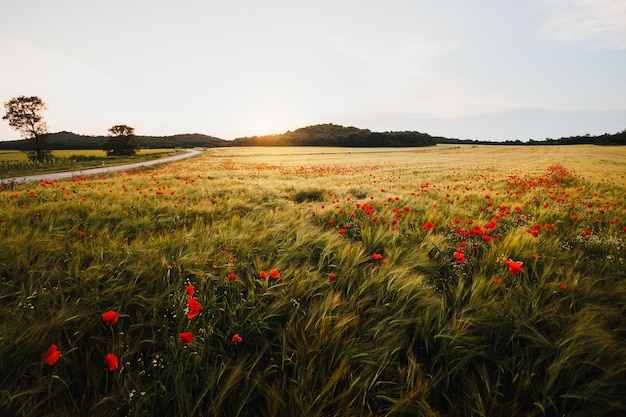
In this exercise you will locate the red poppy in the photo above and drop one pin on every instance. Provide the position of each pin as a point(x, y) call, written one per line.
point(514, 266)
point(458, 255)
point(110, 317)
point(111, 362)
point(263, 274)
point(51, 355)
point(274, 274)
point(377, 256)
point(490, 225)
point(186, 337)
point(236, 338)
point(81, 233)
point(232, 276)
point(428, 225)
point(194, 308)
point(331, 276)
point(189, 290)
point(496, 281)
point(563, 287)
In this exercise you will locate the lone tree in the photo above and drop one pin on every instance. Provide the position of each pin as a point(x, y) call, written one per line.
point(122, 141)
point(24, 115)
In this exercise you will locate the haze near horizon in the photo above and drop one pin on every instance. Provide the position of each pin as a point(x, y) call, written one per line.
point(483, 70)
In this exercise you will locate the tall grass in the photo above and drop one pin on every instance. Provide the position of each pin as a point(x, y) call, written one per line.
point(372, 314)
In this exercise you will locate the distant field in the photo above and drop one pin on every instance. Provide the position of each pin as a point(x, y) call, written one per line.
point(21, 156)
point(16, 163)
point(429, 282)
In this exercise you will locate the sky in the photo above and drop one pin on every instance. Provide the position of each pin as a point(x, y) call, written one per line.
point(483, 69)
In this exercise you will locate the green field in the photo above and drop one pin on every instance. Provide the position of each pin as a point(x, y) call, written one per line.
point(441, 281)
point(16, 163)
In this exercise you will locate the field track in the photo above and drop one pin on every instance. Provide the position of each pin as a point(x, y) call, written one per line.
point(93, 171)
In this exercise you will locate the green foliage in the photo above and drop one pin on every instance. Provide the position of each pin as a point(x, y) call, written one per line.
point(122, 141)
point(383, 322)
point(24, 115)
point(336, 135)
point(72, 141)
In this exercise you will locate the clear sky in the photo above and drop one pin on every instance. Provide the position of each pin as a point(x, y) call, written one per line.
point(481, 69)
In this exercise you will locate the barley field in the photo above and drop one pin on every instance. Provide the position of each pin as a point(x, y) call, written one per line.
point(436, 282)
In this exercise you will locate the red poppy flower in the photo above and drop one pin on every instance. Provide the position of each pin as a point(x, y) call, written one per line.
point(189, 290)
point(496, 281)
point(51, 355)
point(331, 276)
point(194, 308)
point(514, 266)
point(81, 233)
point(263, 274)
point(274, 274)
point(428, 225)
point(236, 338)
point(563, 287)
point(232, 276)
point(186, 337)
point(377, 256)
point(458, 255)
point(111, 362)
point(110, 317)
point(490, 225)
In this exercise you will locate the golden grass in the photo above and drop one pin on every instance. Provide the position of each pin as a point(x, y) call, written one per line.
point(372, 315)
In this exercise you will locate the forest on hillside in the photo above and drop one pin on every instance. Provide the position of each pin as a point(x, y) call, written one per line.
point(69, 140)
point(327, 134)
point(336, 135)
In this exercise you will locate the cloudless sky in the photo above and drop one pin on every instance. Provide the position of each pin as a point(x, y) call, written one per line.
point(482, 69)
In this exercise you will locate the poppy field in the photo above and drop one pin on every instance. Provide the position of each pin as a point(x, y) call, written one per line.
point(435, 282)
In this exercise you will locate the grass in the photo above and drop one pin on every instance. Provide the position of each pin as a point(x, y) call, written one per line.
point(373, 313)
point(15, 163)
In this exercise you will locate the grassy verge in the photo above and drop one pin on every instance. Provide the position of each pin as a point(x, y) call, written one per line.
point(16, 163)
point(476, 281)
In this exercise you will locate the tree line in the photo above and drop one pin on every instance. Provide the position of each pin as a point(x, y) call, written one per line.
point(25, 114)
point(336, 135)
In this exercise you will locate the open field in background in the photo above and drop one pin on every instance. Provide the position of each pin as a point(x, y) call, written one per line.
point(443, 281)
point(16, 163)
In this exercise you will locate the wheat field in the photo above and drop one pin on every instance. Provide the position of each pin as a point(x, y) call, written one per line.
point(440, 281)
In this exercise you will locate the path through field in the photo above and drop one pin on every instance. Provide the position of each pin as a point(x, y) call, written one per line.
point(92, 171)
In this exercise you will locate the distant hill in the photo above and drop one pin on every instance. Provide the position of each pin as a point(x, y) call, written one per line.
point(336, 135)
point(69, 140)
point(603, 140)
point(318, 135)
